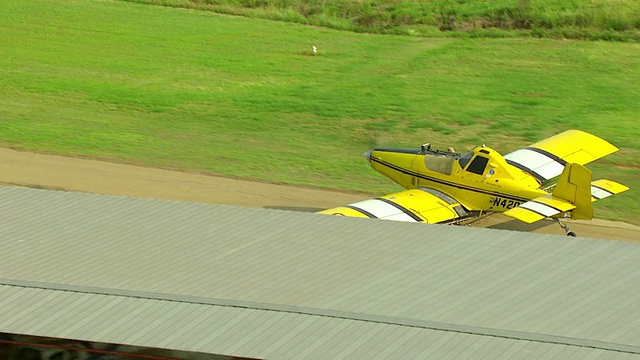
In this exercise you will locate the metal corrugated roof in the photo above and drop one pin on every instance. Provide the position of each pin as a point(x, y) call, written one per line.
point(320, 273)
point(249, 332)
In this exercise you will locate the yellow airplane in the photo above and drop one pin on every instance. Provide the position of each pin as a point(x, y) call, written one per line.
point(544, 180)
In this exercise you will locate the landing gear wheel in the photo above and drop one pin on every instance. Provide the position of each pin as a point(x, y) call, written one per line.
point(565, 227)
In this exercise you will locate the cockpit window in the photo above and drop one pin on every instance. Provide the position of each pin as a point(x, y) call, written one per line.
point(439, 163)
point(478, 165)
point(465, 159)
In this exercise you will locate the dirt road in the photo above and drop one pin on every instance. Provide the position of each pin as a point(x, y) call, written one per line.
point(73, 174)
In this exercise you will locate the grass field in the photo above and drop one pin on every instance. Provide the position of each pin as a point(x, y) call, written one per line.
point(242, 97)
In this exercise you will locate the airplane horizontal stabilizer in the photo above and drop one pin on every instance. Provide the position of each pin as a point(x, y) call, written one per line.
point(540, 208)
point(550, 205)
point(601, 189)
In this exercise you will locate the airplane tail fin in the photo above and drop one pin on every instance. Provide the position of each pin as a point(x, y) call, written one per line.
point(574, 186)
point(573, 193)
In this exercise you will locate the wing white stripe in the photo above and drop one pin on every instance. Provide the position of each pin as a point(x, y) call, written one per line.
point(540, 163)
point(550, 170)
point(542, 209)
point(382, 210)
point(599, 193)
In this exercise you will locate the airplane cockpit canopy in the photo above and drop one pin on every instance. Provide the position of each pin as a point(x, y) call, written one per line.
point(439, 160)
point(478, 164)
point(464, 159)
point(442, 161)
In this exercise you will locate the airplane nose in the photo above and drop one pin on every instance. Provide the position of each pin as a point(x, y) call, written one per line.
point(367, 155)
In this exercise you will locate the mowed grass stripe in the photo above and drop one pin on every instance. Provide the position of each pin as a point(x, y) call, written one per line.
point(202, 92)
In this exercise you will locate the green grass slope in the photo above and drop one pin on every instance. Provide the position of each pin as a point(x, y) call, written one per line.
point(202, 92)
point(576, 19)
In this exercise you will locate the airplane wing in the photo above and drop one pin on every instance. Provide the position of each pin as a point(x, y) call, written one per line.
point(549, 205)
point(416, 205)
point(546, 159)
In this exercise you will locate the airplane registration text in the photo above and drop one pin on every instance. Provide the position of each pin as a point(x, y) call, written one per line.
point(505, 203)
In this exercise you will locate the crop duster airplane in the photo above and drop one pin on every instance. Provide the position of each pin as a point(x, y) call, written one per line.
point(544, 180)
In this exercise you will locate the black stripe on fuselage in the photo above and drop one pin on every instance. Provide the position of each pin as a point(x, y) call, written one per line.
point(436, 180)
point(401, 208)
point(398, 150)
point(363, 212)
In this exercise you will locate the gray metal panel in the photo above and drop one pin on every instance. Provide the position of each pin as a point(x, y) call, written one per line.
point(481, 278)
point(253, 333)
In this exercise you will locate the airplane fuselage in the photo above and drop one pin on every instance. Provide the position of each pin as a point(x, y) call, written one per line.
point(481, 178)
